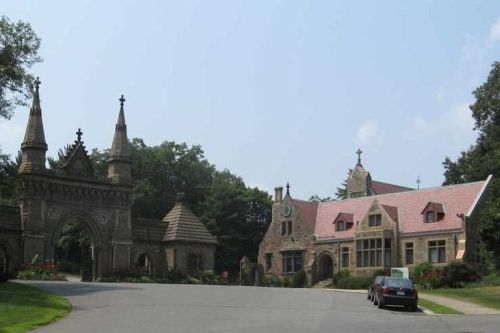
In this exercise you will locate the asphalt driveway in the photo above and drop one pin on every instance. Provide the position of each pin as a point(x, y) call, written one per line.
point(144, 308)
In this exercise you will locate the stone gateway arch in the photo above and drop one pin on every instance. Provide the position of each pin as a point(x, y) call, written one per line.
point(48, 199)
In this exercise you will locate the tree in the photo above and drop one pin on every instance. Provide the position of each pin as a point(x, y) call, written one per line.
point(483, 158)
point(316, 198)
point(8, 179)
point(18, 52)
point(342, 190)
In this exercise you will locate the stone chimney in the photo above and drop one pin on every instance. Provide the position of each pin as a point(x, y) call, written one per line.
point(278, 194)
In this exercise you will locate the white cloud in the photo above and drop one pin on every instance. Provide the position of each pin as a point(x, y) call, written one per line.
point(11, 136)
point(367, 133)
point(494, 35)
point(456, 123)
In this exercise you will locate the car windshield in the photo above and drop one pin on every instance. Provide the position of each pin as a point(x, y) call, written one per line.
point(399, 283)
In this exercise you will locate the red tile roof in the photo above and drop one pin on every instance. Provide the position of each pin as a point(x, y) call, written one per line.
point(458, 199)
point(384, 188)
point(308, 211)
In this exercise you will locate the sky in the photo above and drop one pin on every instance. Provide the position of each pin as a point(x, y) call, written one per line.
point(274, 91)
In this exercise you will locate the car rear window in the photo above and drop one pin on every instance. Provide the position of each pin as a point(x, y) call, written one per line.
point(399, 283)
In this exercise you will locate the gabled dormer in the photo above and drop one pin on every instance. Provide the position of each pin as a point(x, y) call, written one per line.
point(77, 161)
point(343, 221)
point(433, 212)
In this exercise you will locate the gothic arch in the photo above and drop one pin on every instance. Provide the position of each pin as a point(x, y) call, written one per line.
point(145, 261)
point(80, 217)
point(325, 266)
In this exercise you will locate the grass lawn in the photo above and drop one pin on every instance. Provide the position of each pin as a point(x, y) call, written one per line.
point(437, 308)
point(24, 307)
point(486, 296)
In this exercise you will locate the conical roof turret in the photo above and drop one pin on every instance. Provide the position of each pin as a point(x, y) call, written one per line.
point(119, 164)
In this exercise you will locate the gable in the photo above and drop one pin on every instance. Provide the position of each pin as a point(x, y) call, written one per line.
point(77, 162)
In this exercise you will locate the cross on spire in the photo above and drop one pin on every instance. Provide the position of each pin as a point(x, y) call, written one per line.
point(122, 100)
point(37, 83)
point(418, 182)
point(79, 135)
point(359, 152)
point(288, 188)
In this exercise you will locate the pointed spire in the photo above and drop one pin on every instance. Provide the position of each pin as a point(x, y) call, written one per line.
point(34, 138)
point(119, 155)
point(119, 148)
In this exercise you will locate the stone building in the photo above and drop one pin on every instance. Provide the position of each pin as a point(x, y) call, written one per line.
point(48, 199)
point(378, 226)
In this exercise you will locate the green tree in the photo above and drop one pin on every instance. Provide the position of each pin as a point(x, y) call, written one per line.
point(8, 179)
point(316, 198)
point(483, 158)
point(18, 52)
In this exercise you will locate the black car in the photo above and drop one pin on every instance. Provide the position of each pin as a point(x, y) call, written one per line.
point(396, 291)
point(379, 280)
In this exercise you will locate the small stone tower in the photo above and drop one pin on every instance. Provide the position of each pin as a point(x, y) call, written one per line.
point(119, 164)
point(34, 146)
point(359, 181)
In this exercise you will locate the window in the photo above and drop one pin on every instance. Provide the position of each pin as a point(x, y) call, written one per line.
point(369, 252)
point(387, 252)
point(269, 261)
point(286, 228)
point(409, 253)
point(291, 261)
point(345, 257)
point(429, 217)
point(289, 231)
point(283, 228)
point(375, 220)
point(340, 226)
point(437, 251)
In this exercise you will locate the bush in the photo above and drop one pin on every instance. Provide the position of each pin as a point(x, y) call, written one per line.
point(342, 274)
point(353, 282)
point(456, 273)
point(286, 282)
point(128, 275)
point(45, 272)
point(299, 279)
point(425, 275)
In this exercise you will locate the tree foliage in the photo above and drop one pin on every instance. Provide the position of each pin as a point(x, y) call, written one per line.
point(8, 179)
point(483, 158)
point(18, 52)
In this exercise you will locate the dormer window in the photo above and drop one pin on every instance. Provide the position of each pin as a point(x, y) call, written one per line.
point(340, 226)
point(433, 212)
point(430, 217)
point(375, 220)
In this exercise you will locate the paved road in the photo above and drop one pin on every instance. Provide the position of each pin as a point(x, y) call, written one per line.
point(144, 308)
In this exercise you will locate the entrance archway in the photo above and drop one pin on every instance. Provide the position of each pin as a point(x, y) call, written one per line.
point(145, 265)
point(325, 267)
point(76, 244)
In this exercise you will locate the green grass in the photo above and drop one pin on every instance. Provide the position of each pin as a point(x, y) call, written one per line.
point(24, 307)
point(437, 308)
point(485, 296)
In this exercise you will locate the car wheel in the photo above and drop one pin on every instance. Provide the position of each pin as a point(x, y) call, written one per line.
point(374, 300)
point(379, 303)
point(413, 308)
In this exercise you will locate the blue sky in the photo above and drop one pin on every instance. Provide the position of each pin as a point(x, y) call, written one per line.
point(274, 91)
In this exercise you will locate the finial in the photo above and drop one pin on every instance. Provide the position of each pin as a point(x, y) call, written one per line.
point(418, 183)
point(37, 83)
point(288, 188)
point(79, 135)
point(359, 152)
point(179, 197)
point(122, 100)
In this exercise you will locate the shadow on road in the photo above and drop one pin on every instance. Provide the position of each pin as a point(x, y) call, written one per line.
point(78, 288)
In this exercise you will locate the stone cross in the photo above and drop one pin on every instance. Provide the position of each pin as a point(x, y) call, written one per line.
point(37, 83)
point(122, 100)
point(359, 152)
point(79, 135)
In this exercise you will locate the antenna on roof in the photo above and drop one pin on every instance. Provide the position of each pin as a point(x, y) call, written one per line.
point(418, 182)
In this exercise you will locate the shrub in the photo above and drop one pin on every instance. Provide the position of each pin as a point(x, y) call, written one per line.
point(342, 274)
point(286, 282)
point(456, 273)
point(126, 275)
point(299, 279)
point(418, 271)
point(45, 271)
point(353, 282)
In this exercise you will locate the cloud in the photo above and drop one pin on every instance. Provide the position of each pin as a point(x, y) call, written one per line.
point(367, 133)
point(494, 35)
point(12, 135)
point(456, 123)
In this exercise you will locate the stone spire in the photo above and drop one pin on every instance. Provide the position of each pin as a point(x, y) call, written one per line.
point(359, 180)
point(119, 155)
point(34, 146)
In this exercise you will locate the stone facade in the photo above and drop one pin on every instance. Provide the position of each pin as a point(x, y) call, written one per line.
point(50, 198)
point(377, 227)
